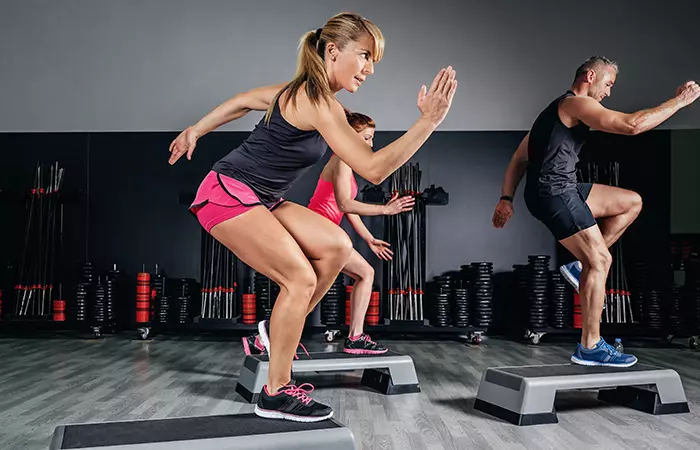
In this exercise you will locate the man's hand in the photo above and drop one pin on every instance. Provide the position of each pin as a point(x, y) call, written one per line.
point(688, 93)
point(503, 213)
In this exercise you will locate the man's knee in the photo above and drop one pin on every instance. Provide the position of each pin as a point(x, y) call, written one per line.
point(635, 202)
point(600, 259)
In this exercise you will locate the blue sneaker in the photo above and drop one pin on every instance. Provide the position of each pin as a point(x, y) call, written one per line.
point(572, 273)
point(603, 354)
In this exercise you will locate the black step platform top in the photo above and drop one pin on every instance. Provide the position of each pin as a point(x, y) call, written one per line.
point(329, 355)
point(557, 370)
point(180, 429)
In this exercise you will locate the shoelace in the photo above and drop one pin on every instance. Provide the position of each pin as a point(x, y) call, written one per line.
point(369, 339)
point(303, 348)
point(300, 392)
point(262, 347)
point(610, 349)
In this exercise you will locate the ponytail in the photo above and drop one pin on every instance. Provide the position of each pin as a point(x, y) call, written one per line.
point(311, 70)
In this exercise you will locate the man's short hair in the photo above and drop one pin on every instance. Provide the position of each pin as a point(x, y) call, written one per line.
point(593, 63)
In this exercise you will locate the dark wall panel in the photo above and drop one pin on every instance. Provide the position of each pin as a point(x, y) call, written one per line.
point(135, 214)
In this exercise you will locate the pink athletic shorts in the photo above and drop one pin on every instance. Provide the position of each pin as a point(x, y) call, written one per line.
point(220, 198)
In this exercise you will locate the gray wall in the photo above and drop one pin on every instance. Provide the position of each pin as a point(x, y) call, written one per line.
point(685, 184)
point(101, 65)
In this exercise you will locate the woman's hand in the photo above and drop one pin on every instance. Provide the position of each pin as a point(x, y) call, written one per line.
point(380, 248)
point(436, 103)
point(398, 205)
point(183, 144)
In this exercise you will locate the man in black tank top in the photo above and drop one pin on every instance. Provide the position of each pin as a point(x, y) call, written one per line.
point(585, 218)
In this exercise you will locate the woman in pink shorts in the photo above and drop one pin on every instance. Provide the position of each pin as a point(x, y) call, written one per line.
point(240, 202)
point(334, 198)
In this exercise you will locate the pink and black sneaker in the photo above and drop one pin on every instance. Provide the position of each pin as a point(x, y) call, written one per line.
point(363, 345)
point(263, 337)
point(252, 345)
point(292, 403)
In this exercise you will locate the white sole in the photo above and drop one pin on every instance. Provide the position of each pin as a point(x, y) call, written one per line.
point(264, 337)
point(278, 415)
point(581, 362)
point(569, 278)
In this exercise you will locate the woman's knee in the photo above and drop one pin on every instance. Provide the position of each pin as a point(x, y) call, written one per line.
point(299, 281)
point(340, 247)
point(365, 272)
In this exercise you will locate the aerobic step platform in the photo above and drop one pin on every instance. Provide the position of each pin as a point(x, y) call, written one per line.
point(238, 431)
point(525, 395)
point(389, 373)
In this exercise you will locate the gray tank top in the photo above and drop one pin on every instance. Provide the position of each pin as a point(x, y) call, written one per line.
point(273, 157)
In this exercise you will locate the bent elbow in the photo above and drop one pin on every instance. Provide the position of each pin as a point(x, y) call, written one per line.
point(376, 178)
point(635, 129)
point(372, 173)
point(632, 126)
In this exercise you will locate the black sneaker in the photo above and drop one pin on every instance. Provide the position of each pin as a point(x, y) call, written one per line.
point(264, 337)
point(364, 345)
point(264, 333)
point(292, 403)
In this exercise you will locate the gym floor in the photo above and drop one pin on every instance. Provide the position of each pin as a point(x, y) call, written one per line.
point(49, 382)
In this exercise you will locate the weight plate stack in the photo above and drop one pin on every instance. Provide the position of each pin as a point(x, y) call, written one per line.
point(182, 290)
point(163, 308)
point(639, 289)
point(692, 295)
point(160, 305)
point(112, 294)
point(266, 292)
point(88, 273)
point(561, 306)
point(460, 307)
point(81, 301)
point(333, 304)
point(481, 294)
point(99, 304)
point(692, 292)
point(676, 318)
point(652, 309)
point(183, 309)
point(467, 276)
point(519, 303)
point(441, 311)
point(444, 284)
point(537, 294)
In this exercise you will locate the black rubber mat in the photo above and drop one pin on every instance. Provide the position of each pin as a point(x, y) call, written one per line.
point(180, 429)
point(330, 355)
point(570, 369)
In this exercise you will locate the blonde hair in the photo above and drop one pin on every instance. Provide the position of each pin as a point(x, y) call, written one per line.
point(340, 29)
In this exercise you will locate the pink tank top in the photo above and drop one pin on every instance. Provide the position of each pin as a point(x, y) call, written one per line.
point(323, 200)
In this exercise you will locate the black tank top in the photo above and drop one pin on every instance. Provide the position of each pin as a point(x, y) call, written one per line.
point(273, 157)
point(553, 152)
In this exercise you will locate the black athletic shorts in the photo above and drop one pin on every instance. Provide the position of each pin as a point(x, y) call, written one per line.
point(565, 214)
